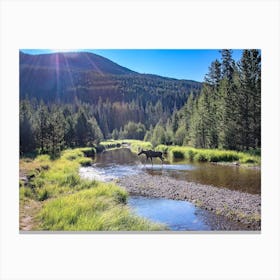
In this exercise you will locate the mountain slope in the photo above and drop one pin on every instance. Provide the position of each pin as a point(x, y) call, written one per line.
point(66, 77)
point(73, 61)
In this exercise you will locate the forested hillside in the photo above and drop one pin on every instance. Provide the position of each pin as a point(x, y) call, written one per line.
point(227, 112)
point(67, 101)
point(63, 94)
point(86, 77)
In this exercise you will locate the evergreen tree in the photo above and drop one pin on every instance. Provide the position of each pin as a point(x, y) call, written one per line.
point(115, 134)
point(42, 127)
point(56, 127)
point(158, 136)
point(214, 75)
point(250, 98)
point(27, 138)
point(69, 131)
point(95, 133)
point(82, 130)
point(169, 135)
point(228, 92)
point(227, 66)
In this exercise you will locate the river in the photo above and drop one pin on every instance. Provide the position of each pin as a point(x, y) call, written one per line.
point(177, 215)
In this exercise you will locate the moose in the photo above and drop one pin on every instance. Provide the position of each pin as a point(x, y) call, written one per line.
point(150, 154)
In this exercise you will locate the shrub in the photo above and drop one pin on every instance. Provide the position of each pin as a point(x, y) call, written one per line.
point(190, 154)
point(85, 161)
point(162, 148)
point(89, 152)
point(177, 152)
point(136, 146)
point(200, 156)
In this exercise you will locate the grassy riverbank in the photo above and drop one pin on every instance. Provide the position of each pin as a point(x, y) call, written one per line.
point(189, 153)
point(209, 155)
point(64, 201)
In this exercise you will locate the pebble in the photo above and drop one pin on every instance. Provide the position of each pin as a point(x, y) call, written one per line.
point(240, 206)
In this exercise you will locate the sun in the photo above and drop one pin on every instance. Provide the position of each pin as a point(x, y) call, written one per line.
point(63, 50)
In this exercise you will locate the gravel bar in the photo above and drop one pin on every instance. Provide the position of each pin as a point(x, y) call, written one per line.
point(237, 206)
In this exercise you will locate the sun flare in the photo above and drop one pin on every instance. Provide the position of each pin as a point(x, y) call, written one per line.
point(63, 50)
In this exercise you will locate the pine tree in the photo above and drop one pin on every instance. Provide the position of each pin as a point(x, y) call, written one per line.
point(250, 98)
point(82, 129)
point(115, 134)
point(227, 66)
point(27, 139)
point(42, 128)
point(56, 127)
point(69, 131)
point(158, 135)
point(94, 134)
point(214, 75)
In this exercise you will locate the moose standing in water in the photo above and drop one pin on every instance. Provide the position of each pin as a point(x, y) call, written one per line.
point(150, 154)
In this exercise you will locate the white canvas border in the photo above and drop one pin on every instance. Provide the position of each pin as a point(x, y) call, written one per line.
point(132, 24)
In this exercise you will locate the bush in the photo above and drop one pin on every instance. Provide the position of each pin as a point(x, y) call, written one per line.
point(162, 148)
point(85, 161)
point(190, 154)
point(201, 157)
point(89, 152)
point(177, 152)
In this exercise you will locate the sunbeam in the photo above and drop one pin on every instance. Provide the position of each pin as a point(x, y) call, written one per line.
point(63, 50)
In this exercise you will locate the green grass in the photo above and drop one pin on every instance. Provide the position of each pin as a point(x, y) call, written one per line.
point(135, 145)
point(190, 153)
point(85, 161)
point(72, 203)
point(209, 155)
point(101, 208)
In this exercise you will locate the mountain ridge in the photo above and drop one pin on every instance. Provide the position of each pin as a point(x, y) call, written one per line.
point(85, 61)
point(65, 77)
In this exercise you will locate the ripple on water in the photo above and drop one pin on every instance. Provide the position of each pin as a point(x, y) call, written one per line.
point(108, 173)
point(171, 167)
point(115, 171)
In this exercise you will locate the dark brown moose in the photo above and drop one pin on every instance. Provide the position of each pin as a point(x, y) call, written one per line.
point(150, 154)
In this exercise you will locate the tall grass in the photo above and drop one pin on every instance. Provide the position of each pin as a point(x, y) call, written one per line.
point(76, 204)
point(208, 155)
point(190, 153)
point(52, 178)
point(135, 145)
point(100, 208)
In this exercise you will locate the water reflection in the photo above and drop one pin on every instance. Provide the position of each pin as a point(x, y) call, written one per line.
point(180, 215)
point(231, 177)
point(117, 163)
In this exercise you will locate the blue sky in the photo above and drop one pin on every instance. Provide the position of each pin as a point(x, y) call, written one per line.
point(179, 64)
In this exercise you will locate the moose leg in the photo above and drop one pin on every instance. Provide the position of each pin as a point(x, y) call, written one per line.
point(152, 160)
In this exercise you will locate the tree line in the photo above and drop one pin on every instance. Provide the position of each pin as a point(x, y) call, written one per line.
point(49, 127)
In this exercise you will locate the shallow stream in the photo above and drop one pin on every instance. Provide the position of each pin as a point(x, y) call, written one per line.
point(177, 215)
